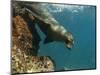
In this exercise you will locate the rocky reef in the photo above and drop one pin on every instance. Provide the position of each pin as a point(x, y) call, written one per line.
point(25, 45)
point(27, 17)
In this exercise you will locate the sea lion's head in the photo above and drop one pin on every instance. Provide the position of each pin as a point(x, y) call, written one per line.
point(69, 40)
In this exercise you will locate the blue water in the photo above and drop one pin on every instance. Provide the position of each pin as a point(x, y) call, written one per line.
point(82, 24)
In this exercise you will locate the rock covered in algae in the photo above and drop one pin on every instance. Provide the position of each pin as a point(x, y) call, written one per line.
point(23, 59)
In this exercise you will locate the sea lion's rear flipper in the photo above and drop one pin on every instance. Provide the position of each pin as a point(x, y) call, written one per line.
point(47, 40)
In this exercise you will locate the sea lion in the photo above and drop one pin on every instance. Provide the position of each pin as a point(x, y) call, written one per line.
point(56, 32)
point(47, 23)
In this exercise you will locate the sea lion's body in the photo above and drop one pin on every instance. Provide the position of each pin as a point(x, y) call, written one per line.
point(46, 22)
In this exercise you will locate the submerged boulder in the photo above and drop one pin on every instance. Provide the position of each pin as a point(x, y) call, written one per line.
point(24, 49)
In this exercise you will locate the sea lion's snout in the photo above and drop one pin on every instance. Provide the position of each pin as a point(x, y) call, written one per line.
point(70, 44)
point(70, 41)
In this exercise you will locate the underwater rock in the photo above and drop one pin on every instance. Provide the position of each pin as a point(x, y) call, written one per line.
point(22, 50)
point(25, 39)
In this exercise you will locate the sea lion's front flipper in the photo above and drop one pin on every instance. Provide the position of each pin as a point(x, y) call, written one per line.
point(47, 40)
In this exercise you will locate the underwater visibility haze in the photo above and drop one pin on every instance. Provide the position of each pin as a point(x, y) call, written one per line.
point(80, 20)
point(50, 37)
